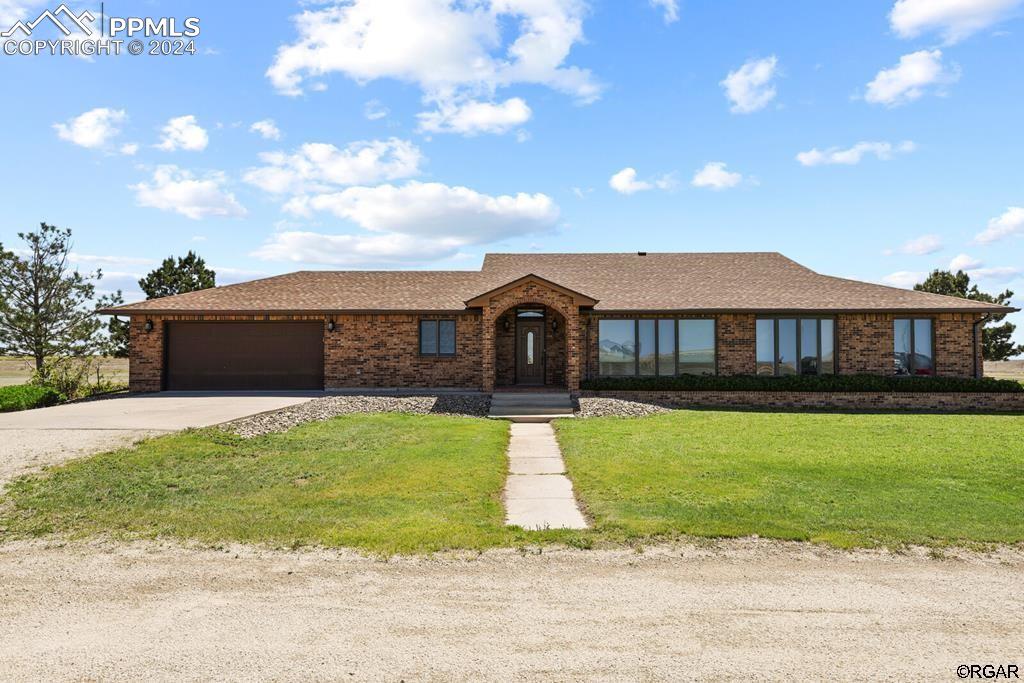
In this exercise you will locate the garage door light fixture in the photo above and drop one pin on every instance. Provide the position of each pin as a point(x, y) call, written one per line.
point(148, 327)
point(331, 326)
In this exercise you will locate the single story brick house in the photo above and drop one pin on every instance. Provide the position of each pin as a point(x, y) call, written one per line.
point(547, 320)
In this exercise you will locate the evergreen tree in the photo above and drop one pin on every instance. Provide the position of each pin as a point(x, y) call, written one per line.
point(47, 310)
point(188, 274)
point(997, 342)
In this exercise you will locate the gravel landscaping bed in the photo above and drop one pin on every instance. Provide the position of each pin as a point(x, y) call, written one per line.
point(614, 407)
point(331, 406)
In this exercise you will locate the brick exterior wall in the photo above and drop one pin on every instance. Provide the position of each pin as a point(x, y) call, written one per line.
point(364, 351)
point(736, 348)
point(865, 343)
point(849, 400)
point(382, 350)
point(525, 294)
point(145, 355)
point(505, 350)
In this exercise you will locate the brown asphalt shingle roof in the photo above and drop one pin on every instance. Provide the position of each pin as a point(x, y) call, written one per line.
point(758, 281)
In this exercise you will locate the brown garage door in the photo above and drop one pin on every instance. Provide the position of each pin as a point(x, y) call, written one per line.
point(244, 355)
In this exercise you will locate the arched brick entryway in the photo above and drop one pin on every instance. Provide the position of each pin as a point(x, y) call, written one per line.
point(507, 335)
point(527, 291)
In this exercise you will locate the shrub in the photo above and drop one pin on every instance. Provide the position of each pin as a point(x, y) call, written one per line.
point(830, 383)
point(25, 396)
point(74, 377)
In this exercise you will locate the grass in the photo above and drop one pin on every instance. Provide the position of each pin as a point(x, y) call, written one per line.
point(386, 483)
point(26, 396)
point(396, 483)
point(848, 480)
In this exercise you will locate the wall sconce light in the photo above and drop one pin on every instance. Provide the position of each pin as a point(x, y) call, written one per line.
point(554, 325)
point(506, 324)
point(148, 327)
point(331, 326)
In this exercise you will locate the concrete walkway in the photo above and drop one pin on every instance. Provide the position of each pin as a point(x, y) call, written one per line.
point(538, 495)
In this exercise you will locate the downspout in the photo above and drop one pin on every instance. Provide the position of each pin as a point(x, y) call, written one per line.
point(978, 367)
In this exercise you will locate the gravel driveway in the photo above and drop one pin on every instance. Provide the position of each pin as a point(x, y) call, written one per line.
point(740, 609)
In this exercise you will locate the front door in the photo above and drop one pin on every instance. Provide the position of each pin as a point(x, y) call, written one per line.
point(529, 351)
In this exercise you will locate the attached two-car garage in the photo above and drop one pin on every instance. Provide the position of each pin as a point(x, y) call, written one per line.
point(243, 355)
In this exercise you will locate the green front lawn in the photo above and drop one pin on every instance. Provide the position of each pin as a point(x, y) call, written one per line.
point(849, 480)
point(384, 483)
point(397, 483)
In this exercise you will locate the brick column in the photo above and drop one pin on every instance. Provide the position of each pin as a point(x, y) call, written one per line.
point(572, 350)
point(145, 354)
point(488, 320)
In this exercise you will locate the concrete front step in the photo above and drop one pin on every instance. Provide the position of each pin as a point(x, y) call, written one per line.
point(519, 399)
point(532, 410)
point(530, 419)
point(531, 400)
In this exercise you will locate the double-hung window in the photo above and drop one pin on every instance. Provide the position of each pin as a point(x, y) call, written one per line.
point(437, 337)
point(913, 344)
point(792, 346)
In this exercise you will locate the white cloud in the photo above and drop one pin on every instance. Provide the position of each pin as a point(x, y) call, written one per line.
point(919, 246)
point(353, 250)
point(964, 262)
point(183, 132)
point(374, 110)
point(904, 278)
point(852, 155)
point(995, 273)
point(625, 182)
point(318, 167)
point(432, 209)
point(227, 275)
point(714, 176)
point(670, 9)
point(267, 129)
point(441, 46)
point(99, 260)
point(178, 190)
point(750, 88)
point(93, 129)
point(415, 222)
point(955, 19)
point(129, 149)
point(910, 79)
point(1011, 222)
point(471, 117)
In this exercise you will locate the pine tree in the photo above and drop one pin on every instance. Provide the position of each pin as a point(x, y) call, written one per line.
point(997, 342)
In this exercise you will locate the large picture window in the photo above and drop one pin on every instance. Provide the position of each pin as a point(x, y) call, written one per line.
point(790, 346)
point(617, 347)
point(437, 337)
point(649, 347)
point(696, 347)
point(913, 346)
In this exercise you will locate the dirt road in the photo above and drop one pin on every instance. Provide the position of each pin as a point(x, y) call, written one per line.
point(743, 609)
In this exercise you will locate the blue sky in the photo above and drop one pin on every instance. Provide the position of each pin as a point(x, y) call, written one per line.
point(874, 140)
